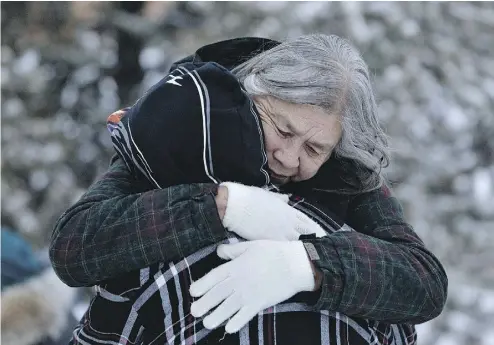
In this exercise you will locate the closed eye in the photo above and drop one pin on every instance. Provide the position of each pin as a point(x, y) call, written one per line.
point(311, 151)
point(285, 134)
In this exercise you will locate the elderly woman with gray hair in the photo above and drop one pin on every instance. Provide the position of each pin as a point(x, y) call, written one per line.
point(300, 117)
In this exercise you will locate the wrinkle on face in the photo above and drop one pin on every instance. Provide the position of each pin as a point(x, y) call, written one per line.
point(297, 131)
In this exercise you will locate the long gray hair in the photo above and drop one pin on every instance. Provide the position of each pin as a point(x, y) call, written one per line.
point(325, 71)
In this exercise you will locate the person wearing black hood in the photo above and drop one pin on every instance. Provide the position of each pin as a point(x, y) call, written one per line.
point(322, 141)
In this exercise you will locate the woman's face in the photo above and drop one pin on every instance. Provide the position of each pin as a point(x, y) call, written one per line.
point(298, 138)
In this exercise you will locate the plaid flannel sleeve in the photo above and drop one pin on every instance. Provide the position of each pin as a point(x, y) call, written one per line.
point(382, 271)
point(117, 227)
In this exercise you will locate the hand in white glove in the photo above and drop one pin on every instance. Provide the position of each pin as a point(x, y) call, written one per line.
point(261, 274)
point(255, 214)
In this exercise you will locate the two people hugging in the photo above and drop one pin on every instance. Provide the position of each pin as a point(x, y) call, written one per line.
point(246, 204)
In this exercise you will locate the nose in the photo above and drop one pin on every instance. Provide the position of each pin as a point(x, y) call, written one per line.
point(288, 158)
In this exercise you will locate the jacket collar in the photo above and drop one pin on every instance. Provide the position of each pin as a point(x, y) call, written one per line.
point(230, 53)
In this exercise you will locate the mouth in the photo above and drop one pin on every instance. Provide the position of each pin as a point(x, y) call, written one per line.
point(277, 178)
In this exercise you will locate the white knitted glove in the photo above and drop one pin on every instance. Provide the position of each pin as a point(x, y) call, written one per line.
point(255, 214)
point(261, 274)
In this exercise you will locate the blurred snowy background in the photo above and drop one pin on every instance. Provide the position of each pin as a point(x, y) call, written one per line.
point(67, 66)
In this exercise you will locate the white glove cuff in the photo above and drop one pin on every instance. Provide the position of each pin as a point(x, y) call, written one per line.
point(299, 266)
point(234, 210)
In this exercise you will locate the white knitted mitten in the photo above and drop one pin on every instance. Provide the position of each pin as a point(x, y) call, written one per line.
point(260, 274)
point(254, 214)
